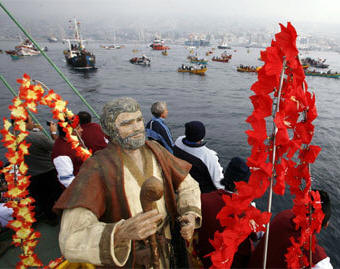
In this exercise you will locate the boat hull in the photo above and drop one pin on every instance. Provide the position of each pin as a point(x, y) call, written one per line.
point(194, 71)
point(337, 75)
point(82, 61)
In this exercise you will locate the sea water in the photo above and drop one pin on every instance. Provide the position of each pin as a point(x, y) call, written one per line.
point(220, 99)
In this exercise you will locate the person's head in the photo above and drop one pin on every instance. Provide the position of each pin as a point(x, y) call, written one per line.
point(326, 206)
point(237, 170)
point(84, 117)
point(123, 122)
point(159, 109)
point(194, 131)
point(76, 130)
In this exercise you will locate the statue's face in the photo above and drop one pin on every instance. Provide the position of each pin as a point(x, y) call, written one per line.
point(130, 127)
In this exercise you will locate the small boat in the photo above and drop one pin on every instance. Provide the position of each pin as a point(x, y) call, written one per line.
point(196, 60)
point(224, 58)
point(250, 69)
point(52, 39)
point(328, 74)
point(165, 52)
point(158, 44)
point(76, 55)
point(111, 47)
point(193, 70)
point(320, 63)
point(209, 53)
point(145, 61)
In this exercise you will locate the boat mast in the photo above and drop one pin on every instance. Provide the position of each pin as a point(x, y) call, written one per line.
point(77, 34)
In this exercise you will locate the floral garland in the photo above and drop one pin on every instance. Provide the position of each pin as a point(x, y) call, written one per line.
point(292, 136)
point(30, 95)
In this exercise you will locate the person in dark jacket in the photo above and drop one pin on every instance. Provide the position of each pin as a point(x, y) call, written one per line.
point(206, 169)
point(156, 129)
point(211, 204)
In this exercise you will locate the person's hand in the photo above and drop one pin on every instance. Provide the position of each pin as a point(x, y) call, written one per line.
point(138, 227)
point(188, 222)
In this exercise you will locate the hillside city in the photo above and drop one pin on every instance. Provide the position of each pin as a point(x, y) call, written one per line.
point(235, 35)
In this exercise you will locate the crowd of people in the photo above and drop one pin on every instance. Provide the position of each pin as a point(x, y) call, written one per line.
point(107, 209)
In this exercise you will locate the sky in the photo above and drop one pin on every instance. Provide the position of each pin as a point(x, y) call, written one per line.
point(181, 12)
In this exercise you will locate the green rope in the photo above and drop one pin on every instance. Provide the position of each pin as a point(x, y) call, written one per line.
point(29, 112)
point(50, 61)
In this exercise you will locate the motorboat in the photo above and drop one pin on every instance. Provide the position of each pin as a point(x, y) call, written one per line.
point(320, 63)
point(26, 48)
point(250, 69)
point(224, 58)
point(158, 44)
point(143, 60)
point(328, 74)
point(200, 70)
point(76, 55)
point(111, 47)
point(196, 60)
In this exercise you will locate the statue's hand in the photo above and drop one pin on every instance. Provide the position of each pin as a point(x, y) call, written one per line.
point(138, 227)
point(188, 225)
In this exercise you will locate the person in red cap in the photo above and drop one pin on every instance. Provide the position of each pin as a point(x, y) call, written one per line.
point(206, 169)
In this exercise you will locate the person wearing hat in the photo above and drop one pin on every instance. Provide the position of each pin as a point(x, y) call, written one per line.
point(211, 204)
point(206, 169)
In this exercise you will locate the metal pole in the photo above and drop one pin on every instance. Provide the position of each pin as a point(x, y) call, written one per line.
point(29, 112)
point(51, 62)
point(310, 206)
point(273, 162)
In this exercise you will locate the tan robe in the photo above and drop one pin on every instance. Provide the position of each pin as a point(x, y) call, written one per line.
point(81, 232)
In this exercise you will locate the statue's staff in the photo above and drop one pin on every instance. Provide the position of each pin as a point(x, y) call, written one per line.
point(151, 191)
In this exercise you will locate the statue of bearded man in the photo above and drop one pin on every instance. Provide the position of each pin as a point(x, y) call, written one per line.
point(103, 221)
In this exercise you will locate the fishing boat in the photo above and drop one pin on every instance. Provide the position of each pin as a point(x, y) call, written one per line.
point(250, 69)
point(26, 48)
point(145, 61)
point(192, 69)
point(76, 55)
point(322, 74)
point(158, 44)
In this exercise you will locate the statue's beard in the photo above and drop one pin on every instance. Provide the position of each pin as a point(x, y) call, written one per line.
point(130, 142)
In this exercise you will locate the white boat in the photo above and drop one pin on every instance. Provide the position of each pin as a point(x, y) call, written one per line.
point(223, 45)
point(53, 39)
point(110, 47)
point(26, 48)
point(146, 61)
